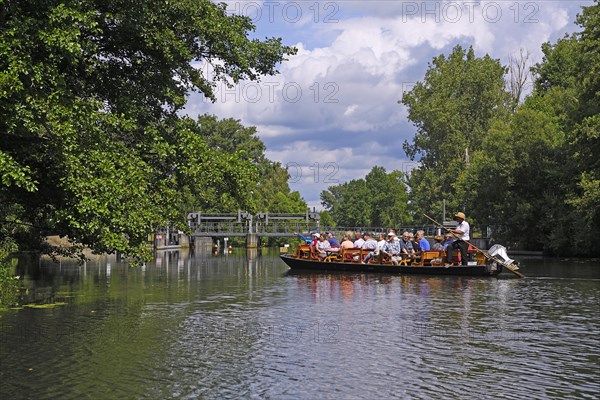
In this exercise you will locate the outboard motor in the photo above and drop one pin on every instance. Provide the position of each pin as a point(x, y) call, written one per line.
point(499, 252)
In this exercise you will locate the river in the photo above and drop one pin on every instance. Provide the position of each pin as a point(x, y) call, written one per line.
point(230, 326)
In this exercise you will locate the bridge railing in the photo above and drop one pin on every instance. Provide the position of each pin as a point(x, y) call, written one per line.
point(430, 230)
point(288, 228)
point(278, 228)
point(222, 227)
point(284, 228)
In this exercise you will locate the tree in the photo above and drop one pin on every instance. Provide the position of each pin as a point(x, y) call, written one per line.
point(348, 203)
point(452, 109)
point(271, 191)
point(568, 80)
point(519, 76)
point(92, 144)
point(535, 179)
point(230, 135)
point(509, 184)
point(388, 197)
point(378, 200)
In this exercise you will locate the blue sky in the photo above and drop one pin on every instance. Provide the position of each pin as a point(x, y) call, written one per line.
point(332, 113)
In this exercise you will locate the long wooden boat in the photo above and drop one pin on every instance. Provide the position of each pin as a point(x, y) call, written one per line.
point(302, 261)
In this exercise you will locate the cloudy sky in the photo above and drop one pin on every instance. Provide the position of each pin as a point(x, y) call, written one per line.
point(332, 113)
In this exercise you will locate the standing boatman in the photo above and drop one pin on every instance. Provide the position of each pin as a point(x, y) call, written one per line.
point(461, 232)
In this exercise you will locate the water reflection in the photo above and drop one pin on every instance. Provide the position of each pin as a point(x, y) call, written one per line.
point(240, 325)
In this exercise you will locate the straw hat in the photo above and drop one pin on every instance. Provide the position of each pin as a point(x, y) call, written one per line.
point(459, 215)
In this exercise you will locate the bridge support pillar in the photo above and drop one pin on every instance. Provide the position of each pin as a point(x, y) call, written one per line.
point(252, 241)
point(203, 243)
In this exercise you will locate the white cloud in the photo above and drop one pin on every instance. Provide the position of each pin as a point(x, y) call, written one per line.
point(337, 102)
point(350, 109)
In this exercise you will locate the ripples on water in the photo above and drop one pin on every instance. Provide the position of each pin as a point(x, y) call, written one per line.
point(225, 327)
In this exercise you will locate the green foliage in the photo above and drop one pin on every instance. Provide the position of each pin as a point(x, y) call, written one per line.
point(326, 219)
point(92, 144)
point(271, 191)
point(532, 175)
point(378, 200)
point(230, 136)
point(452, 109)
point(14, 174)
point(453, 106)
point(387, 197)
point(9, 283)
point(568, 91)
point(511, 176)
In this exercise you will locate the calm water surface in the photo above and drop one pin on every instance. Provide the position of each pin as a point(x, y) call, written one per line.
point(231, 326)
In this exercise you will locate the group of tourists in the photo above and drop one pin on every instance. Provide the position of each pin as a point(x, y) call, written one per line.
point(395, 248)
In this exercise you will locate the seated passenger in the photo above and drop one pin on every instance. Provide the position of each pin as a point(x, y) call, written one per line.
point(392, 249)
point(415, 243)
point(359, 241)
point(323, 246)
point(448, 240)
point(447, 243)
point(313, 245)
point(423, 243)
point(307, 240)
point(335, 246)
point(380, 243)
point(437, 246)
point(347, 243)
point(406, 245)
point(369, 243)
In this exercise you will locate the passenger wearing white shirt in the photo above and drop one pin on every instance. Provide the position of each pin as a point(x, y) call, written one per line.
point(370, 243)
point(323, 246)
point(359, 241)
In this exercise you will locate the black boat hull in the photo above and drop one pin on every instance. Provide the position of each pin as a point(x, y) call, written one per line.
point(313, 265)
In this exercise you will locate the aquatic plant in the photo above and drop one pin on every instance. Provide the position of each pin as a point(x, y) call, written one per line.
point(9, 282)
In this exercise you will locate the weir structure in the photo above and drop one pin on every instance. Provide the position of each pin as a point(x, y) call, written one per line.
point(251, 226)
point(205, 227)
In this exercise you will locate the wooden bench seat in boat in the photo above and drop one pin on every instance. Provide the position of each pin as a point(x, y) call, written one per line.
point(352, 255)
point(428, 255)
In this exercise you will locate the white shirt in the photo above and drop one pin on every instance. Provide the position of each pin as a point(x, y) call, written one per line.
point(369, 244)
point(323, 245)
point(358, 243)
point(464, 228)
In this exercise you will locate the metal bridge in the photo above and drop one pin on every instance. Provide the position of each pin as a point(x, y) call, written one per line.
point(267, 224)
point(264, 224)
point(243, 223)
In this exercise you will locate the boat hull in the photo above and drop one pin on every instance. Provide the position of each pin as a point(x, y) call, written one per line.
point(313, 265)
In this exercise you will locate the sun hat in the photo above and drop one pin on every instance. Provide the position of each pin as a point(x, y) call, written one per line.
point(459, 215)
